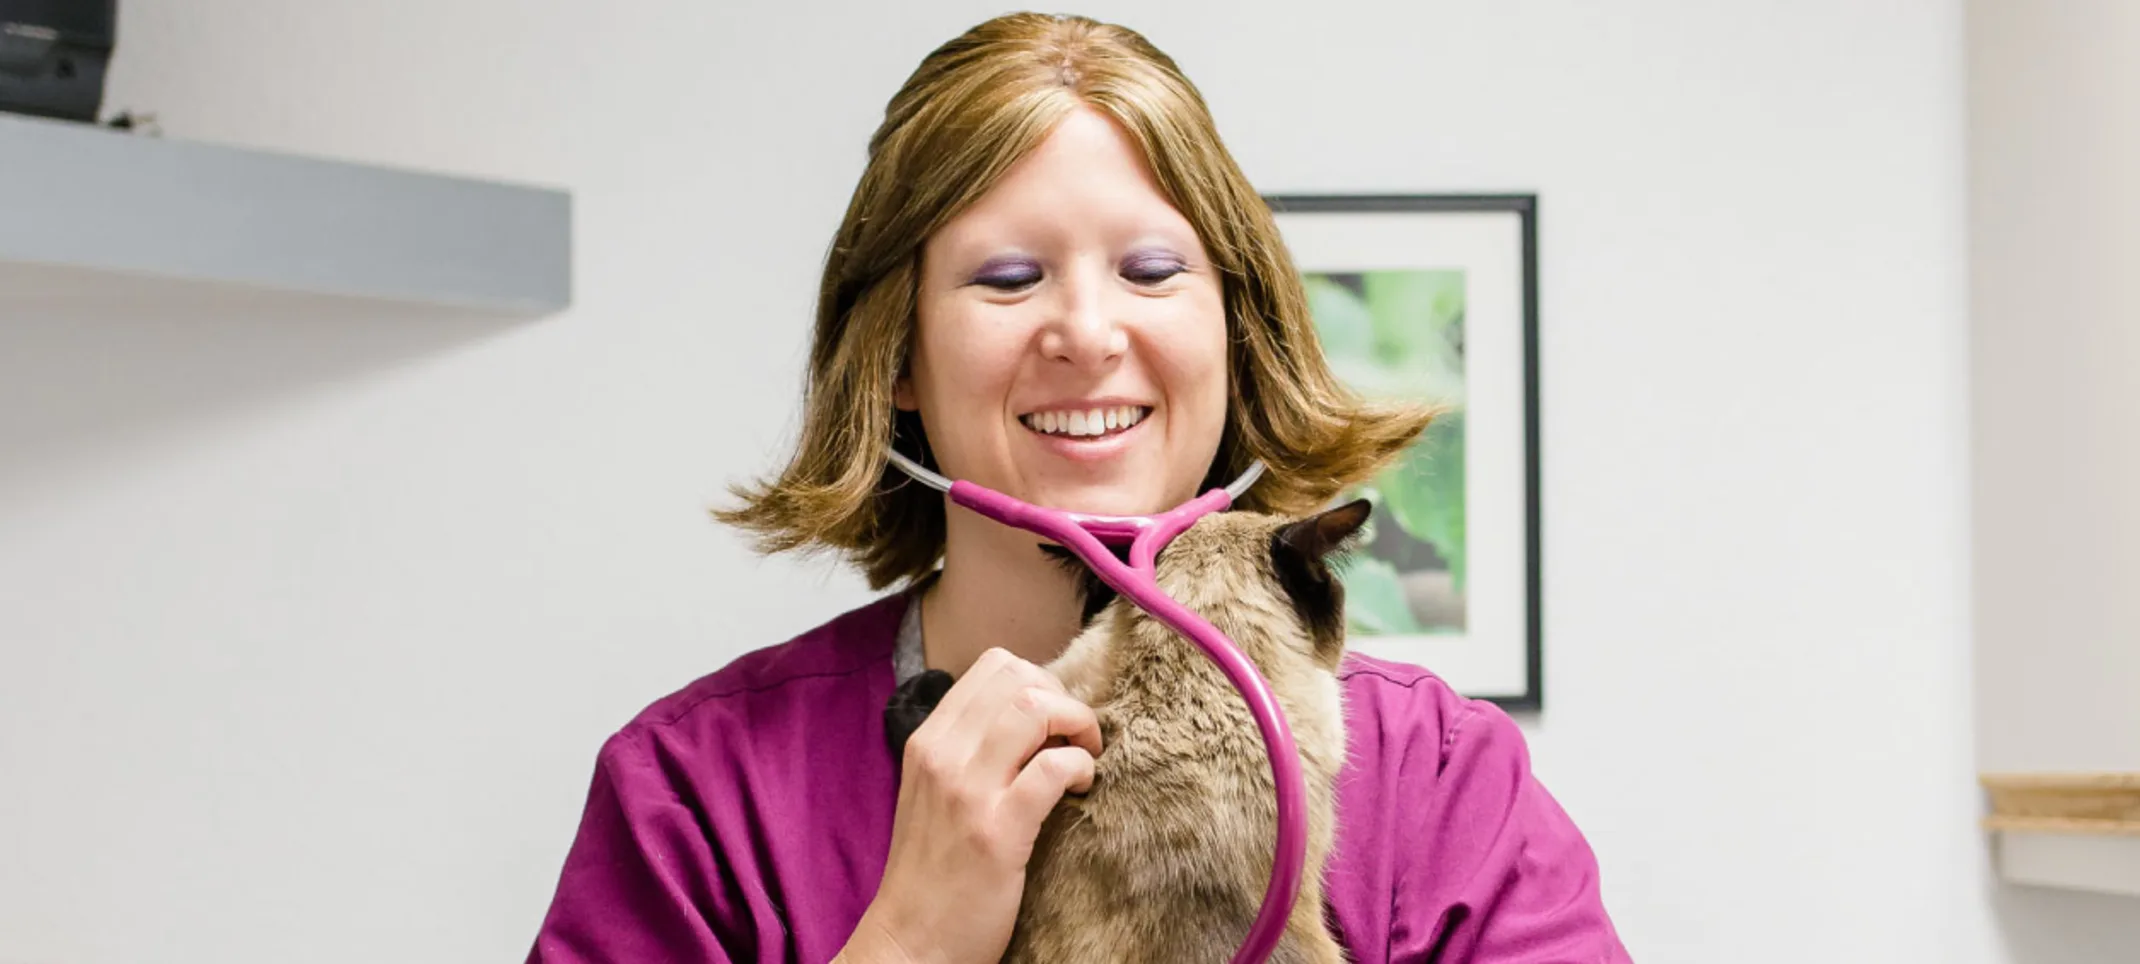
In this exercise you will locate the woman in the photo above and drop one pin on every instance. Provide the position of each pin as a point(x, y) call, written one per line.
point(1052, 281)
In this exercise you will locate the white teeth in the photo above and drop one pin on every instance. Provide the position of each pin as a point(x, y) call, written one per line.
point(1092, 422)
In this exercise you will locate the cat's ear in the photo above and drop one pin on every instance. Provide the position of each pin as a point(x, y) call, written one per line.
point(1325, 533)
point(1299, 553)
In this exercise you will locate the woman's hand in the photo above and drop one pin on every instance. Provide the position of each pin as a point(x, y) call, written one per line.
point(979, 778)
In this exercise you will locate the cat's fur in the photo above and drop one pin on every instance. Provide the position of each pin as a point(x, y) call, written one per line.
point(1166, 858)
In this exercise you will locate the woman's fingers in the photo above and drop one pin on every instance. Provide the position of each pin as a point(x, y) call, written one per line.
point(1027, 719)
point(970, 718)
point(988, 675)
point(1051, 773)
point(956, 727)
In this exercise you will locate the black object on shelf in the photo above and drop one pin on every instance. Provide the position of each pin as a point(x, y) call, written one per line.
point(53, 54)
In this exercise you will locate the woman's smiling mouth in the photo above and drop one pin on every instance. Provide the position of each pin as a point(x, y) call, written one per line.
point(1085, 423)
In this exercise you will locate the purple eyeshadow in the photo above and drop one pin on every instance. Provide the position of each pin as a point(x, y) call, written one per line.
point(1153, 265)
point(1008, 272)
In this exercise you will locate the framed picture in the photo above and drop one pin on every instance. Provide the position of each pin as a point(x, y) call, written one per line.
point(1435, 299)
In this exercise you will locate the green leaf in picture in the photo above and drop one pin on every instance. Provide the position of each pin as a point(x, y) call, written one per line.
point(1341, 321)
point(1424, 490)
point(1417, 318)
point(1374, 598)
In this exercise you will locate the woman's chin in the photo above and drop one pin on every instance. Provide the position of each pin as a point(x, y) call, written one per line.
point(1101, 500)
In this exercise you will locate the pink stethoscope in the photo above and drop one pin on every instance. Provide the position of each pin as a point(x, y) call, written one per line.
point(1088, 536)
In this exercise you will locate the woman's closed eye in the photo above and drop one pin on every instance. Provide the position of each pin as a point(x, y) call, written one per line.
point(1008, 274)
point(1152, 267)
point(1147, 268)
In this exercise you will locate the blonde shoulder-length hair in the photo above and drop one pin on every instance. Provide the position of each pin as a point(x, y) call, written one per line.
point(973, 108)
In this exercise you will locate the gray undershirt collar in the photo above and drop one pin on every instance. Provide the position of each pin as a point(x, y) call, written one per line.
point(908, 660)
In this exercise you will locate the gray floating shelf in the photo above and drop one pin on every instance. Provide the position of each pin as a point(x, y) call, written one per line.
point(81, 206)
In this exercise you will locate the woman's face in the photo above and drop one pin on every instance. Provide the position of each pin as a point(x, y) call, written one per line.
point(1071, 349)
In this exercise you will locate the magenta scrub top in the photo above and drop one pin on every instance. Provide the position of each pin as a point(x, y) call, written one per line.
point(747, 817)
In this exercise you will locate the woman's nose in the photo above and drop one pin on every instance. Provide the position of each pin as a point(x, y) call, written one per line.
point(1082, 327)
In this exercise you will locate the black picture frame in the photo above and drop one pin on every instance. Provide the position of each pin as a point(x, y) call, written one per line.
point(1503, 689)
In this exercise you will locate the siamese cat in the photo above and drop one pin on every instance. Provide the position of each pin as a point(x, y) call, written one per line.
point(1166, 858)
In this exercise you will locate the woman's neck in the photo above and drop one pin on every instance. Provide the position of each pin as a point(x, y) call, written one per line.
point(996, 589)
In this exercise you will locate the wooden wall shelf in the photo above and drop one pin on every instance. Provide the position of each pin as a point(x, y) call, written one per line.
point(2094, 803)
point(2070, 830)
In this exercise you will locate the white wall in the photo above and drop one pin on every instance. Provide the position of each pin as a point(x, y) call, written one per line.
point(312, 629)
point(2055, 238)
point(2054, 227)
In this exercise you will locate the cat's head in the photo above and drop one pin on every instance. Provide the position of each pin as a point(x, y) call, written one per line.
point(1253, 575)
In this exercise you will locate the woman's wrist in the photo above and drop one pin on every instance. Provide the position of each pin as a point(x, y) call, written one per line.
point(873, 943)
